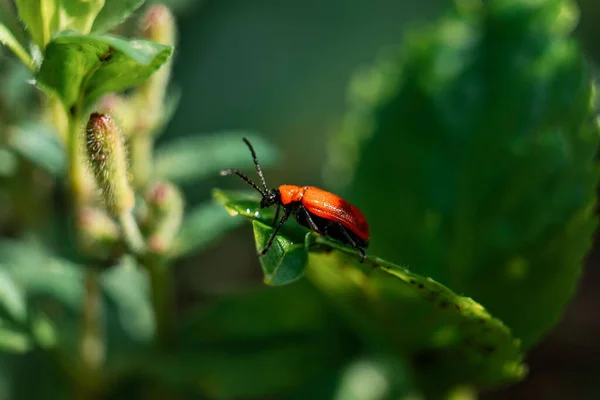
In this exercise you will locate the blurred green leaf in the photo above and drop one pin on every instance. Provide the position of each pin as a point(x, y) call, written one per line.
point(201, 227)
point(45, 18)
point(12, 301)
point(82, 68)
point(13, 315)
point(11, 34)
point(448, 339)
point(113, 13)
point(197, 157)
point(471, 153)
point(261, 342)
point(127, 290)
point(286, 259)
point(241, 316)
point(39, 145)
point(13, 341)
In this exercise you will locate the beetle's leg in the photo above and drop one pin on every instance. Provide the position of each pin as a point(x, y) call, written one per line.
point(288, 211)
point(276, 214)
point(309, 219)
point(361, 251)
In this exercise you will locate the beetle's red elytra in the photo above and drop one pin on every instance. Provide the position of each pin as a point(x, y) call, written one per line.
point(318, 210)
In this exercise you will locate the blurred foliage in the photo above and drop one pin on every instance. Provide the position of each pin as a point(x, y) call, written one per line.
point(469, 149)
point(485, 129)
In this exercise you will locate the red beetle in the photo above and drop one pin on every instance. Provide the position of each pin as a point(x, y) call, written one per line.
point(318, 210)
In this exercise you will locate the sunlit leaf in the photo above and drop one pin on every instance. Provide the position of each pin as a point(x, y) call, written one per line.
point(451, 340)
point(286, 259)
point(45, 18)
point(82, 68)
point(448, 339)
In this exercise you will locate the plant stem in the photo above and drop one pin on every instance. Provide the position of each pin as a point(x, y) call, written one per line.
point(92, 349)
point(77, 178)
point(161, 295)
point(131, 233)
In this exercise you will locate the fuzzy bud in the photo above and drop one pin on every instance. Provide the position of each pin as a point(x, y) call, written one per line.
point(108, 160)
point(99, 233)
point(165, 213)
point(157, 25)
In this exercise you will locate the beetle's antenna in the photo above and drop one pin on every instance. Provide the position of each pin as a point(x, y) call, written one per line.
point(231, 171)
point(258, 170)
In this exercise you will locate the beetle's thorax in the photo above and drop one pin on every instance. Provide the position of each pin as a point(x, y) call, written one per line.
point(291, 193)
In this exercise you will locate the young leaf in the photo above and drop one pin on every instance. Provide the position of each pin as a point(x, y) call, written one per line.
point(448, 339)
point(202, 226)
point(45, 18)
point(113, 13)
point(473, 157)
point(82, 68)
point(197, 157)
point(286, 259)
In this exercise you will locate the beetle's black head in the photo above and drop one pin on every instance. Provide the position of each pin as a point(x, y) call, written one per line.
point(269, 198)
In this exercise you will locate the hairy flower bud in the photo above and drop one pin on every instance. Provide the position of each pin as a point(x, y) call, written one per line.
point(108, 159)
point(158, 25)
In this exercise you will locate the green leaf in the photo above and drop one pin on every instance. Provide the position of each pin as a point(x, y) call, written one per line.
point(201, 227)
point(11, 35)
point(257, 343)
point(13, 341)
point(197, 157)
point(13, 315)
point(45, 18)
point(127, 290)
point(12, 301)
point(286, 259)
point(80, 69)
point(113, 13)
point(472, 155)
point(241, 316)
point(448, 339)
point(458, 339)
point(39, 145)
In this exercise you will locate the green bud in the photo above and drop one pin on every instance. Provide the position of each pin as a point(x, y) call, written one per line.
point(165, 213)
point(108, 160)
point(158, 25)
point(99, 234)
